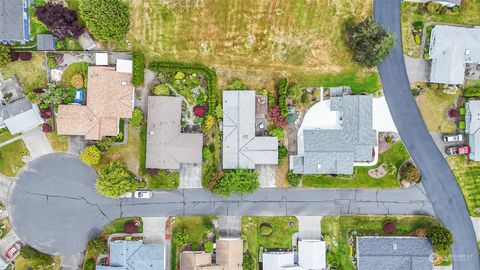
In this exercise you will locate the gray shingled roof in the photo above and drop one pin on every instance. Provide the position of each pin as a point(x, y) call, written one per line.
point(21, 115)
point(45, 42)
point(135, 255)
point(334, 151)
point(167, 147)
point(241, 148)
point(394, 253)
point(12, 20)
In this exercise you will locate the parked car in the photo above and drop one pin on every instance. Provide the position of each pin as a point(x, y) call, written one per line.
point(127, 195)
point(143, 194)
point(458, 150)
point(13, 250)
point(453, 138)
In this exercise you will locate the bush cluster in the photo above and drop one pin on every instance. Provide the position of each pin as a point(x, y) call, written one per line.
point(472, 92)
point(282, 96)
point(210, 74)
point(137, 117)
point(293, 179)
point(138, 76)
point(410, 173)
point(239, 181)
point(106, 19)
point(440, 237)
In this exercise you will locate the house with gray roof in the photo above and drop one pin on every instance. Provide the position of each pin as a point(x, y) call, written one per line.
point(241, 147)
point(334, 151)
point(134, 255)
point(21, 115)
point(394, 253)
point(14, 21)
point(167, 146)
point(311, 255)
point(451, 48)
point(472, 128)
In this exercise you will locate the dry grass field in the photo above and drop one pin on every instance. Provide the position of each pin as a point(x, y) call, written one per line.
point(254, 40)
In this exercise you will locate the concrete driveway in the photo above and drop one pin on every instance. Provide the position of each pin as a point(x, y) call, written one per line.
point(76, 144)
point(154, 229)
point(418, 69)
point(309, 227)
point(230, 226)
point(7, 242)
point(190, 175)
point(267, 175)
point(37, 143)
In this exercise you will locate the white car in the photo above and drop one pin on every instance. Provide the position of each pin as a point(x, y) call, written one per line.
point(143, 194)
point(127, 195)
point(453, 138)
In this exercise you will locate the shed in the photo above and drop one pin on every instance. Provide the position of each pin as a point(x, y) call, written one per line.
point(101, 59)
point(21, 116)
point(86, 41)
point(124, 66)
point(46, 42)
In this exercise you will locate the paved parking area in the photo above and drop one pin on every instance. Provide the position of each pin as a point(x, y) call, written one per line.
point(37, 143)
point(267, 175)
point(76, 144)
point(154, 229)
point(309, 227)
point(418, 69)
point(230, 226)
point(190, 175)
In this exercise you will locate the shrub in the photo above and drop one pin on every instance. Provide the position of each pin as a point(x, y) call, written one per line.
point(51, 63)
point(278, 132)
point(426, 55)
point(282, 152)
point(208, 228)
point(61, 45)
point(293, 179)
point(239, 181)
point(106, 19)
point(131, 226)
point(138, 76)
point(219, 111)
point(432, 7)
point(410, 173)
point(180, 237)
point(389, 227)
point(199, 111)
point(293, 91)
point(200, 100)
point(61, 21)
point(208, 124)
point(440, 237)
point(179, 75)
point(97, 246)
point(418, 25)
point(46, 128)
point(210, 74)
point(161, 90)
point(282, 96)
point(25, 56)
point(277, 118)
point(208, 246)
point(237, 85)
point(13, 55)
point(77, 81)
point(89, 264)
point(472, 92)
point(195, 247)
point(46, 113)
point(91, 155)
point(369, 41)
point(391, 168)
point(206, 153)
point(137, 117)
point(104, 144)
point(115, 180)
point(249, 261)
point(266, 230)
point(417, 40)
point(462, 124)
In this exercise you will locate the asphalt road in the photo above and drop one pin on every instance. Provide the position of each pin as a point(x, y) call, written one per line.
point(438, 180)
point(54, 206)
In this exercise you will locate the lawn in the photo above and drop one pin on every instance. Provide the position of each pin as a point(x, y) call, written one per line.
point(396, 154)
point(5, 227)
point(59, 143)
point(292, 38)
point(281, 237)
point(336, 231)
point(37, 260)
point(195, 230)
point(11, 158)
point(117, 226)
point(31, 73)
point(434, 105)
point(467, 173)
point(5, 135)
point(72, 69)
point(411, 12)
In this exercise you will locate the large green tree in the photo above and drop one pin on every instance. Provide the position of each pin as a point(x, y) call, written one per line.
point(55, 94)
point(239, 181)
point(4, 55)
point(91, 155)
point(106, 19)
point(115, 180)
point(440, 237)
point(369, 41)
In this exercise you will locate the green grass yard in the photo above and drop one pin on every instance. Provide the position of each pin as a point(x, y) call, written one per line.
point(397, 154)
point(281, 237)
point(5, 135)
point(467, 174)
point(117, 226)
point(72, 69)
point(336, 231)
point(11, 158)
point(31, 74)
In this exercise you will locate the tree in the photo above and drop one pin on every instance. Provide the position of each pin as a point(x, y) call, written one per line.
point(106, 19)
point(440, 237)
point(293, 179)
point(105, 143)
point(61, 21)
point(369, 41)
point(282, 96)
point(293, 91)
point(239, 181)
point(77, 81)
point(115, 180)
point(208, 246)
point(4, 56)
point(54, 94)
point(282, 152)
point(97, 246)
point(278, 132)
point(91, 155)
point(277, 118)
point(138, 76)
point(131, 226)
point(208, 227)
point(137, 117)
point(410, 173)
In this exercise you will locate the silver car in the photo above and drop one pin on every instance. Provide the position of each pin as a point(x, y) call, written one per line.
point(453, 138)
point(143, 194)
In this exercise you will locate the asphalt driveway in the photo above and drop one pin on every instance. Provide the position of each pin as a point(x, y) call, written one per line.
point(438, 180)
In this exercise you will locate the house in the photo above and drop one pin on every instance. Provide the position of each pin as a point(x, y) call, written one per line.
point(167, 146)
point(134, 255)
point(110, 97)
point(14, 21)
point(311, 256)
point(451, 48)
point(406, 253)
point(472, 127)
point(46, 42)
point(21, 115)
point(241, 147)
point(229, 256)
point(347, 139)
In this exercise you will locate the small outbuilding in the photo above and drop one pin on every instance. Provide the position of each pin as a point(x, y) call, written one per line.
point(46, 42)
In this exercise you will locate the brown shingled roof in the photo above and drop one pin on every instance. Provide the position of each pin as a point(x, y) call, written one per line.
point(109, 98)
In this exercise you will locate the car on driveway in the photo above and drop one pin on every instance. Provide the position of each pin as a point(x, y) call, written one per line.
point(458, 150)
point(13, 250)
point(453, 138)
point(143, 194)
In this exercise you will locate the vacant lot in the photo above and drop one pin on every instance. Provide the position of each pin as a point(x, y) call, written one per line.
point(412, 12)
point(299, 38)
point(434, 105)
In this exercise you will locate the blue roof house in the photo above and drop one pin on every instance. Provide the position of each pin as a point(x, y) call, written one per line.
point(135, 255)
point(14, 21)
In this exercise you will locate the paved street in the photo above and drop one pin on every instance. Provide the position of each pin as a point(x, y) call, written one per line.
point(439, 182)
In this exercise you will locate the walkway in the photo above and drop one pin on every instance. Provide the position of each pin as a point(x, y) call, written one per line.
point(439, 182)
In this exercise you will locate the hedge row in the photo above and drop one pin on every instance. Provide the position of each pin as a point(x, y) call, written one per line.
point(282, 96)
point(210, 74)
point(472, 92)
point(138, 76)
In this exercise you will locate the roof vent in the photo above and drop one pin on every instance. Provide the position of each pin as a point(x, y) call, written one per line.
point(394, 246)
point(319, 166)
point(467, 51)
point(152, 132)
point(124, 83)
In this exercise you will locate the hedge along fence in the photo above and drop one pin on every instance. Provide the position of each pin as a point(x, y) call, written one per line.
point(138, 76)
point(472, 92)
point(282, 96)
point(210, 74)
